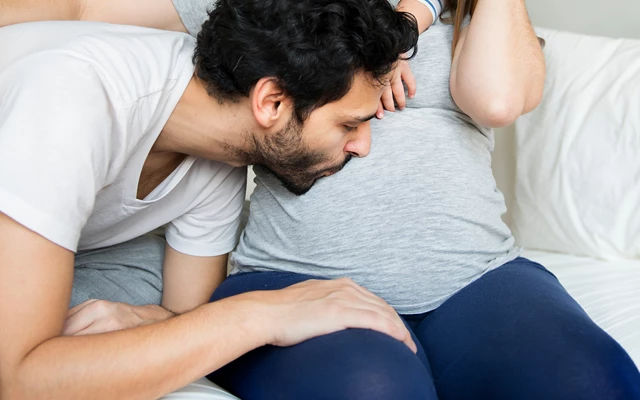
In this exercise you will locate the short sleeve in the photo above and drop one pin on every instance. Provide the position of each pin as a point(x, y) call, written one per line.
point(435, 7)
point(193, 13)
point(212, 227)
point(52, 144)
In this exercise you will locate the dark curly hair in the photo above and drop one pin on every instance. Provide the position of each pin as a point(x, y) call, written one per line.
point(312, 47)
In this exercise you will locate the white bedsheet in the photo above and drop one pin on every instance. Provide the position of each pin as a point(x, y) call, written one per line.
point(609, 291)
point(202, 389)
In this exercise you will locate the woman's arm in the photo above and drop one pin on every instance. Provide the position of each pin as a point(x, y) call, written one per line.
point(422, 10)
point(498, 68)
point(425, 12)
point(160, 14)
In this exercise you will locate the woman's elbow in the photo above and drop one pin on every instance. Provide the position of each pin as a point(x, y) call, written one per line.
point(502, 111)
point(496, 113)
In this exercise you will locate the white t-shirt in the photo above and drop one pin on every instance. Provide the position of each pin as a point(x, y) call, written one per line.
point(81, 104)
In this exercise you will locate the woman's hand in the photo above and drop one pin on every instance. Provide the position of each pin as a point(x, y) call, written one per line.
point(401, 76)
point(318, 307)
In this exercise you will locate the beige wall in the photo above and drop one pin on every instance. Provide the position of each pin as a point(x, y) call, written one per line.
point(616, 18)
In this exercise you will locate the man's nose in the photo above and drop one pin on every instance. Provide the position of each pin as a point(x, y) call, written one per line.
point(359, 143)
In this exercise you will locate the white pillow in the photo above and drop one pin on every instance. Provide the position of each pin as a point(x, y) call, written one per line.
point(578, 154)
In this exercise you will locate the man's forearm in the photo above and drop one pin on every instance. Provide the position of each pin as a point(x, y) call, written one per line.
point(143, 362)
point(158, 14)
point(16, 11)
point(499, 71)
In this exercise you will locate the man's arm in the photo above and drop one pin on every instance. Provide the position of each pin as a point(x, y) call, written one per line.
point(498, 67)
point(188, 281)
point(160, 14)
point(148, 361)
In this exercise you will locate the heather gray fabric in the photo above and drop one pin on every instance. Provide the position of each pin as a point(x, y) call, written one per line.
point(193, 13)
point(129, 272)
point(414, 222)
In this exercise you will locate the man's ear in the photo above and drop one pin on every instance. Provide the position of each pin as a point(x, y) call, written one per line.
point(270, 104)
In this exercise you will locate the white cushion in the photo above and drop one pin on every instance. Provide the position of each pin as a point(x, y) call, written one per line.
point(578, 154)
point(607, 290)
point(202, 389)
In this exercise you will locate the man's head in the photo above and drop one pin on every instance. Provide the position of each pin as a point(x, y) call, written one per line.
point(313, 71)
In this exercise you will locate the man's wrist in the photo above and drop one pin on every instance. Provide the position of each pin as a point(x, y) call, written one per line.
point(250, 315)
point(152, 313)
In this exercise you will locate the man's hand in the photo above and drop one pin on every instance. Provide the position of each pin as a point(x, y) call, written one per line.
point(317, 307)
point(395, 91)
point(99, 316)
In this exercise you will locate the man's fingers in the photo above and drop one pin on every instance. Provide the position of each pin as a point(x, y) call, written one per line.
point(93, 315)
point(344, 289)
point(76, 323)
point(335, 305)
point(87, 330)
point(368, 319)
point(79, 307)
point(80, 317)
point(359, 297)
point(363, 293)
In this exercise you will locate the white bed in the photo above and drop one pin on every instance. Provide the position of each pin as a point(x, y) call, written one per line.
point(609, 291)
point(202, 389)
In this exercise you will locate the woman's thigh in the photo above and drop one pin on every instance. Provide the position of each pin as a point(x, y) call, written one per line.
point(516, 333)
point(350, 364)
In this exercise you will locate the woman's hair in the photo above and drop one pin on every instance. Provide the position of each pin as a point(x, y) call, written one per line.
point(458, 11)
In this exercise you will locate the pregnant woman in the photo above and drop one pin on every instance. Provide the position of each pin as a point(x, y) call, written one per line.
point(418, 222)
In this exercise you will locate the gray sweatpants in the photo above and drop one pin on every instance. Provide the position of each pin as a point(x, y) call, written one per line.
point(129, 272)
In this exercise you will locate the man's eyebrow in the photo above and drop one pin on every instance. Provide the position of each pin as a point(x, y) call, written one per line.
point(355, 118)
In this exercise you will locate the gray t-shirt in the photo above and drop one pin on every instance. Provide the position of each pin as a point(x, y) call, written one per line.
point(193, 13)
point(414, 222)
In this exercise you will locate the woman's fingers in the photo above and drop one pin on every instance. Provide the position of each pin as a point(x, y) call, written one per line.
point(409, 80)
point(387, 99)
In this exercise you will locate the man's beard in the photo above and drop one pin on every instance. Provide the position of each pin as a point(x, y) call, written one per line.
point(300, 182)
point(287, 157)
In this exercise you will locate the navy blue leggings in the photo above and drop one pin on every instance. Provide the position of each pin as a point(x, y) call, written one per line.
point(513, 334)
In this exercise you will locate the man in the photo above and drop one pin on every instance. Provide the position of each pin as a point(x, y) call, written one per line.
point(109, 132)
